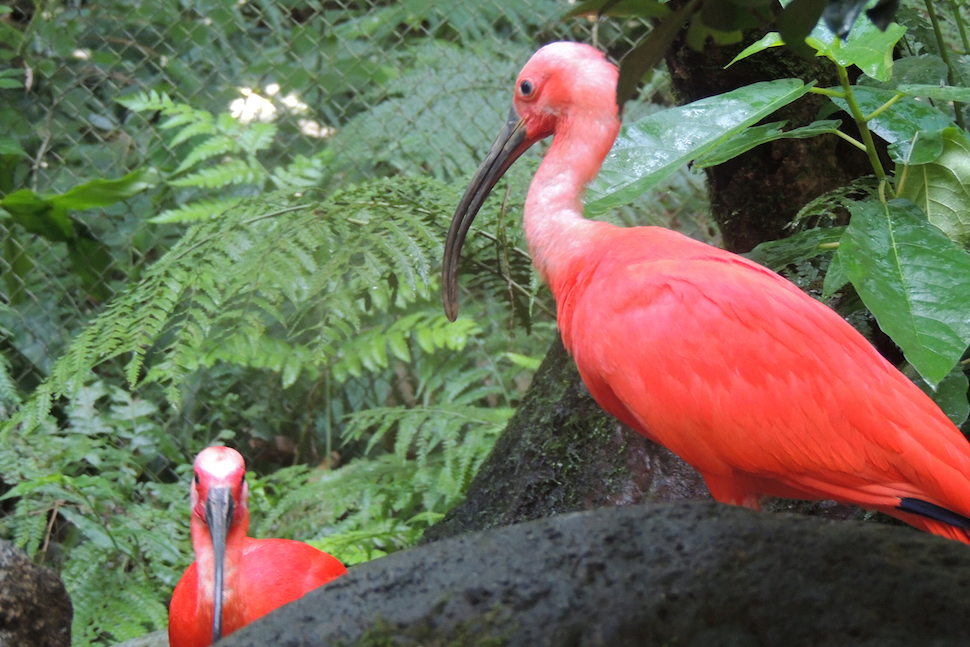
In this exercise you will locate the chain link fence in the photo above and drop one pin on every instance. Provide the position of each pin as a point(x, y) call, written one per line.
point(362, 86)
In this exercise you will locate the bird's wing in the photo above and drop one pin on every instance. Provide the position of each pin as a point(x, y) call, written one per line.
point(735, 370)
point(282, 570)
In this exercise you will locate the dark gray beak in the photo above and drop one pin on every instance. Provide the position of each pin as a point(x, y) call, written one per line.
point(219, 510)
point(509, 145)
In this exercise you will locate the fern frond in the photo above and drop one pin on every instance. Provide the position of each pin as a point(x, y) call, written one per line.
point(215, 145)
point(303, 172)
point(257, 137)
point(415, 129)
point(229, 172)
point(200, 210)
point(316, 268)
point(9, 396)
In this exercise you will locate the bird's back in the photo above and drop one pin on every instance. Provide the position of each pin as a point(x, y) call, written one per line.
point(763, 389)
point(279, 571)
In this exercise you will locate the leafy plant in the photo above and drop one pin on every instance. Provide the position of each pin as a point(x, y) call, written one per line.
point(97, 512)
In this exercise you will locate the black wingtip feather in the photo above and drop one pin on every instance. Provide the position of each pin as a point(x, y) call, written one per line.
point(933, 511)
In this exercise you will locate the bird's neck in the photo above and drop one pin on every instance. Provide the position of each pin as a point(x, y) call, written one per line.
point(232, 586)
point(555, 228)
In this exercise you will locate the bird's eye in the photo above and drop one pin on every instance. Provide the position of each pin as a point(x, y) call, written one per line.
point(526, 88)
point(198, 481)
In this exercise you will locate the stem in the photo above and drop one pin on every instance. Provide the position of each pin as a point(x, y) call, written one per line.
point(860, 121)
point(828, 92)
point(945, 55)
point(878, 111)
point(852, 140)
point(955, 8)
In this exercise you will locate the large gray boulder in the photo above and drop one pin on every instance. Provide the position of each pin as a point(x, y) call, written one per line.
point(35, 610)
point(662, 574)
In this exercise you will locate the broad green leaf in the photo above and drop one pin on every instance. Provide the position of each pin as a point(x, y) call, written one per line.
point(651, 149)
point(936, 92)
point(869, 49)
point(926, 146)
point(10, 146)
point(771, 39)
point(914, 280)
point(757, 135)
point(901, 122)
point(950, 394)
point(101, 193)
point(926, 69)
point(778, 254)
point(38, 215)
point(835, 277)
point(942, 188)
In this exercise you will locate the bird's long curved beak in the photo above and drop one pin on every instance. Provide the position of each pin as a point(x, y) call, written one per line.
point(509, 145)
point(219, 510)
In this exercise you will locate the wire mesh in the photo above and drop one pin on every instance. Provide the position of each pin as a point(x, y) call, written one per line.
point(315, 69)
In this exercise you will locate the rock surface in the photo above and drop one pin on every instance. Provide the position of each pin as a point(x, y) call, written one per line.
point(35, 610)
point(562, 453)
point(662, 574)
point(154, 639)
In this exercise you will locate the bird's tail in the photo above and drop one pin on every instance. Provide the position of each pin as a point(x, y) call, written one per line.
point(934, 519)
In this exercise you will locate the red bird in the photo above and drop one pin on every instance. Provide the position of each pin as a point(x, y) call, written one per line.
point(763, 389)
point(242, 579)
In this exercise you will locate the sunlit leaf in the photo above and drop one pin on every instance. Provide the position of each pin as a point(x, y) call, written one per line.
point(654, 147)
point(869, 49)
point(101, 193)
point(914, 280)
point(771, 39)
point(757, 135)
point(942, 188)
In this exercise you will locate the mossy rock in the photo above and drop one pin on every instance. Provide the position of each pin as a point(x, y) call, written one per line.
point(687, 573)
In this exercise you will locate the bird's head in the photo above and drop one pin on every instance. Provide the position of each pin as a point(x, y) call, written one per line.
point(560, 82)
point(220, 480)
point(220, 499)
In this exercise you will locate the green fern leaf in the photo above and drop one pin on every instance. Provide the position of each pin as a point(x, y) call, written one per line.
point(230, 172)
point(217, 145)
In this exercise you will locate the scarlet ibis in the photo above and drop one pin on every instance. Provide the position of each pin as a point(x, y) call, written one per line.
point(764, 390)
point(235, 579)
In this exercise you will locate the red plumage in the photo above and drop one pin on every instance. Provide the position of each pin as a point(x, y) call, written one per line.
point(764, 390)
point(260, 574)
